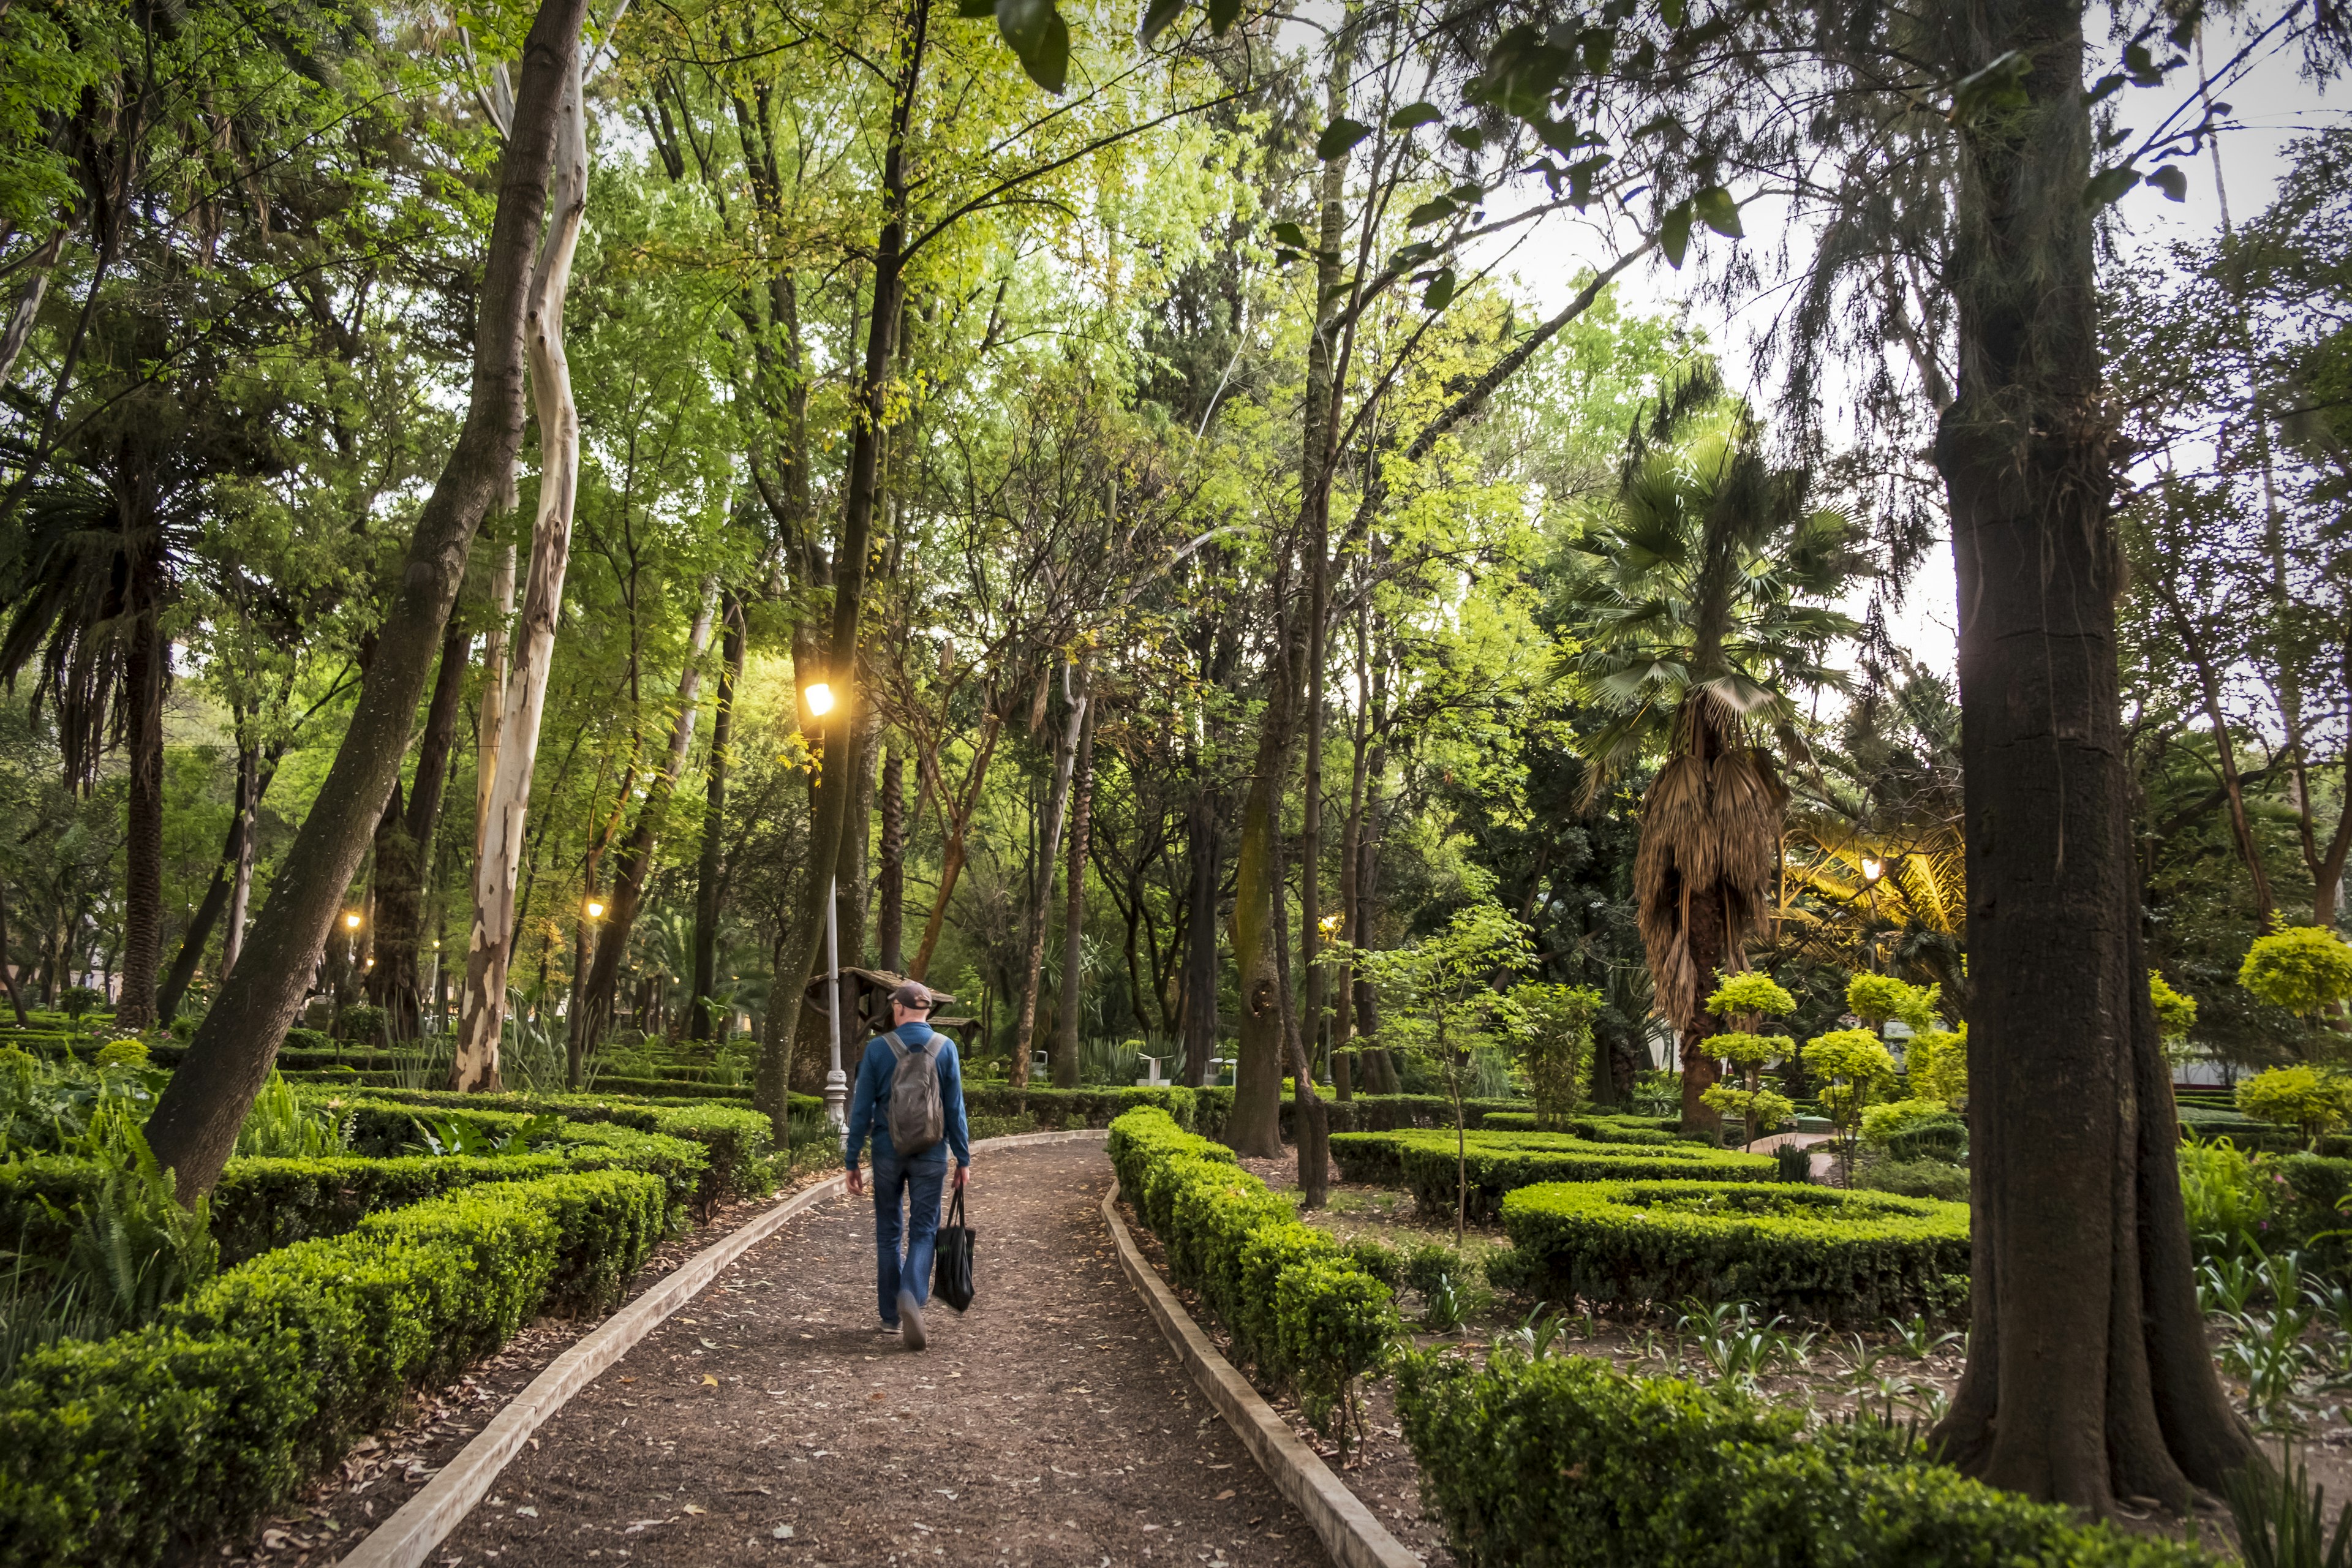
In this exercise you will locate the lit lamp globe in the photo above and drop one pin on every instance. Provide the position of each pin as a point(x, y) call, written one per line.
point(819, 699)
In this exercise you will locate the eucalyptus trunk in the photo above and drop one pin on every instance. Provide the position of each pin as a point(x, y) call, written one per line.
point(195, 1124)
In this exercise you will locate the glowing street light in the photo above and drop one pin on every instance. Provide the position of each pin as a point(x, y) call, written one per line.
point(595, 909)
point(819, 698)
point(351, 922)
point(1873, 868)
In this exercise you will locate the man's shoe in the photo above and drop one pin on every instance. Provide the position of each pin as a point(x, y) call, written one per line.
point(911, 1320)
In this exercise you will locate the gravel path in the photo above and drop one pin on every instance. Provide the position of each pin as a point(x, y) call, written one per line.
point(768, 1422)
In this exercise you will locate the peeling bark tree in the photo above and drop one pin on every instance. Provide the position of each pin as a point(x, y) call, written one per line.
point(195, 1126)
point(2089, 1379)
point(506, 793)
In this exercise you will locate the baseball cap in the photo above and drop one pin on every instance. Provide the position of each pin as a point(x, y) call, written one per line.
point(913, 994)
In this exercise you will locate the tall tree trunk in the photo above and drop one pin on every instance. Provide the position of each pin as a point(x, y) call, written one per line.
point(594, 1015)
point(489, 947)
point(143, 900)
point(1253, 1128)
point(195, 1127)
point(404, 849)
point(1343, 1010)
point(1041, 901)
point(709, 875)
point(1074, 910)
point(1379, 1068)
point(890, 904)
point(2209, 688)
point(959, 821)
point(1201, 969)
point(869, 425)
point(2089, 1379)
point(7, 968)
point(250, 783)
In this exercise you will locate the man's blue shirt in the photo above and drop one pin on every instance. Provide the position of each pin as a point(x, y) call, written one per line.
point(875, 1073)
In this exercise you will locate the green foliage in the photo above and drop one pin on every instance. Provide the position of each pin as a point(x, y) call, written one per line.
point(2303, 969)
point(2175, 1013)
point(1875, 998)
point(1553, 1031)
point(2227, 1195)
point(1299, 1305)
point(77, 1002)
point(1881, 1124)
point(280, 1127)
point(117, 1450)
point(1937, 1064)
point(1759, 1110)
point(1751, 991)
point(2282, 1519)
point(1854, 1069)
point(1565, 1462)
point(1749, 1050)
point(1915, 1178)
point(1804, 1250)
point(1501, 1162)
point(361, 1024)
point(127, 1052)
point(2311, 1099)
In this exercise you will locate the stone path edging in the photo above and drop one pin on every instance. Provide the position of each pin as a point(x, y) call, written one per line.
point(417, 1529)
point(1348, 1531)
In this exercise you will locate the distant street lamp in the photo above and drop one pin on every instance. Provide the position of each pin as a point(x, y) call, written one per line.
point(1873, 868)
point(596, 908)
point(819, 698)
point(352, 938)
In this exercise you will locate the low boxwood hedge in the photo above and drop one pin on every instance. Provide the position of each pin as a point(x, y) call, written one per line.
point(1299, 1305)
point(1643, 1130)
point(1810, 1251)
point(388, 1130)
point(1390, 1113)
point(1566, 1462)
point(739, 1140)
point(1053, 1109)
point(126, 1450)
point(1501, 1162)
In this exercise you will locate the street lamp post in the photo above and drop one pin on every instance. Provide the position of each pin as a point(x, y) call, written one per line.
point(836, 1085)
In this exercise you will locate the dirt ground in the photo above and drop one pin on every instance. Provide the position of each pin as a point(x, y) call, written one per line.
point(769, 1422)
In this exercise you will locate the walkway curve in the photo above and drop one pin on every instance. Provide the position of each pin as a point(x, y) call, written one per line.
point(768, 1421)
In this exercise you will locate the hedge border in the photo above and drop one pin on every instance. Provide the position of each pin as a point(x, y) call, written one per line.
point(1499, 1163)
point(1579, 1240)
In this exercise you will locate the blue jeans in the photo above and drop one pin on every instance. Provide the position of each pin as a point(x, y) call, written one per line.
point(918, 1182)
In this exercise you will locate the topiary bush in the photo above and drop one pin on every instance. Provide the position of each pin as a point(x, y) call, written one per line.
point(1813, 1252)
point(1300, 1305)
point(2303, 969)
point(128, 1450)
point(2312, 1100)
point(1564, 1462)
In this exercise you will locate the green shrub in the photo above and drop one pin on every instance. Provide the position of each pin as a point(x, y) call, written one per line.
point(1882, 1123)
point(1300, 1305)
point(125, 1450)
point(1388, 1112)
point(2229, 1196)
point(2311, 1099)
point(1809, 1251)
point(1640, 1130)
point(127, 1052)
point(387, 1130)
point(1915, 1178)
point(1565, 1462)
point(1499, 1163)
point(2303, 969)
point(1945, 1139)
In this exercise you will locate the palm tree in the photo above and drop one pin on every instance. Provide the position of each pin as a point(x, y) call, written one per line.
point(1697, 604)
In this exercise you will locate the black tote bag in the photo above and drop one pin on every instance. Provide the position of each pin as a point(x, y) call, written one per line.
point(952, 1260)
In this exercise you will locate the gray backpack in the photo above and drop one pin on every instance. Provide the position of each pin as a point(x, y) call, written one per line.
point(918, 1121)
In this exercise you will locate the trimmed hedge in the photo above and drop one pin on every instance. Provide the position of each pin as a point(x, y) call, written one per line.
point(1052, 1108)
point(1299, 1305)
point(1649, 1131)
point(738, 1141)
point(1567, 1463)
point(1501, 1162)
point(126, 1450)
point(1809, 1251)
point(1394, 1112)
point(385, 1130)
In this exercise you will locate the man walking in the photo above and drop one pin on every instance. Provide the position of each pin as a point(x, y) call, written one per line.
point(912, 1074)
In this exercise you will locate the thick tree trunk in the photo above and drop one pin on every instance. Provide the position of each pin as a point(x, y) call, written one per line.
point(490, 946)
point(195, 1127)
point(890, 899)
point(806, 954)
point(403, 851)
point(2089, 1379)
point(1073, 910)
point(143, 855)
point(709, 875)
point(594, 1014)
